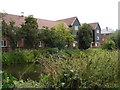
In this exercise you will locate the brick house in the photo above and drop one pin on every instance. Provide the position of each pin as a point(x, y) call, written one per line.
point(105, 34)
point(68, 22)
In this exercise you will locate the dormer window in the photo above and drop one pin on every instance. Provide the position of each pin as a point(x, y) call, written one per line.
point(76, 27)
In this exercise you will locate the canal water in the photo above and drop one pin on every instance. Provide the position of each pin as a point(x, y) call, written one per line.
point(24, 71)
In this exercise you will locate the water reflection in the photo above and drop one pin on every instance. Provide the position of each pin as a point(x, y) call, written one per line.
point(24, 71)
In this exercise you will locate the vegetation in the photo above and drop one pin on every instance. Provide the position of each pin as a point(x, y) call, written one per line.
point(109, 45)
point(85, 36)
point(116, 38)
point(57, 37)
point(29, 32)
point(11, 32)
point(63, 68)
point(8, 81)
point(72, 68)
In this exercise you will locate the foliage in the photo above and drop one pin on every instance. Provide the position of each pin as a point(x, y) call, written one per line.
point(109, 45)
point(8, 81)
point(18, 57)
point(11, 32)
point(29, 32)
point(68, 79)
point(57, 37)
point(85, 36)
point(116, 38)
point(91, 68)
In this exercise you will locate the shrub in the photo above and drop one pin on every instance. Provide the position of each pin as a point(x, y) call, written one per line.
point(68, 79)
point(18, 57)
point(52, 50)
point(8, 81)
point(6, 58)
point(109, 45)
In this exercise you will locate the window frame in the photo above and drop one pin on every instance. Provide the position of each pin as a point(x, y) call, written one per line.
point(98, 31)
point(40, 44)
point(98, 38)
point(76, 27)
point(3, 43)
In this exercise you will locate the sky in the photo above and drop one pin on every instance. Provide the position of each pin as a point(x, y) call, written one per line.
point(88, 11)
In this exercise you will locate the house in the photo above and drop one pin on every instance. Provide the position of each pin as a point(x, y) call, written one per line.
point(68, 22)
point(71, 22)
point(96, 34)
point(19, 20)
point(105, 33)
point(74, 23)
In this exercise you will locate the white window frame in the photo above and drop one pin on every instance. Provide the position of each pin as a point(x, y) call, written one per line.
point(98, 38)
point(3, 41)
point(76, 27)
point(98, 31)
point(40, 44)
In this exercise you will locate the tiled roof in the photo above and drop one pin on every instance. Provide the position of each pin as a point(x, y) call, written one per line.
point(20, 20)
point(48, 23)
point(68, 21)
point(17, 19)
point(93, 25)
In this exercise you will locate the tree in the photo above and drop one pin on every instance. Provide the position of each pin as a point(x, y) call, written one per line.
point(116, 38)
point(85, 36)
point(30, 31)
point(57, 37)
point(65, 33)
point(11, 32)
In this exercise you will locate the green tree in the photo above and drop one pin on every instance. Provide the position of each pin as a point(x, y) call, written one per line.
point(85, 36)
point(11, 32)
point(30, 31)
point(57, 37)
point(4, 28)
point(116, 38)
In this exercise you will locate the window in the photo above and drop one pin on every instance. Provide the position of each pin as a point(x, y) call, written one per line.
point(103, 39)
point(76, 27)
point(98, 38)
point(17, 43)
point(3, 43)
point(97, 31)
point(40, 44)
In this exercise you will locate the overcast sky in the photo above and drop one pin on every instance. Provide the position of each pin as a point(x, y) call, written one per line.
point(103, 11)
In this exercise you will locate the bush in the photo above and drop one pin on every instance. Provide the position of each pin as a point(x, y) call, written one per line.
point(8, 81)
point(109, 45)
point(52, 50)
point(68, 79)
point(116, 38)
point(6, 58)
point(18, 57)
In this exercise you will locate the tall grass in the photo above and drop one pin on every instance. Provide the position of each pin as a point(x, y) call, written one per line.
point(95, 68)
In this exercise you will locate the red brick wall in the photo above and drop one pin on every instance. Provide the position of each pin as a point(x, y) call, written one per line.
point(105, 36)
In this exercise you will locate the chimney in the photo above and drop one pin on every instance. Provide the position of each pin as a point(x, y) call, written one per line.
point(107, 28)
point(22, 14)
